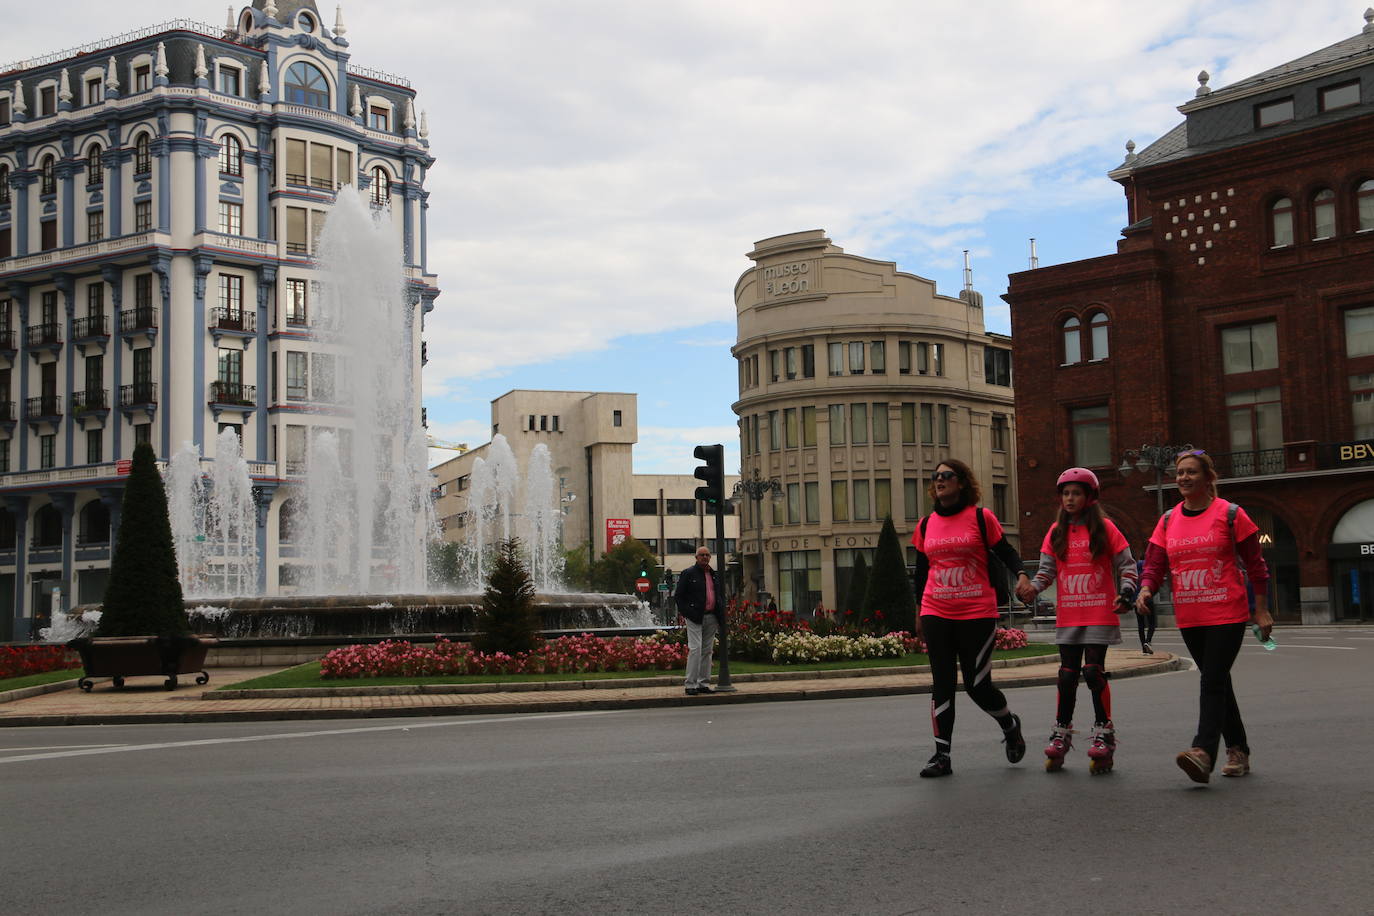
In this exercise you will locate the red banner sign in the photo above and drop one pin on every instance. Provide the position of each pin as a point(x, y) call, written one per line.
point(123, 466)
point(617, 532)
point(642, 585)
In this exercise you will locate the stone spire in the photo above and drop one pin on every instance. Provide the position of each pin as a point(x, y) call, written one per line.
point(1130, 151)
point(1368, 21)
point(270, 9)
point(201, 69)
point(20, 106)
point(339, 28)
point(112, 75)
point(424, 125)
point(229, 24)
point(1202, 87)
point(356, 109)
point(160, 68)
point(264, 82)
point(409, 122)
point(64, 87)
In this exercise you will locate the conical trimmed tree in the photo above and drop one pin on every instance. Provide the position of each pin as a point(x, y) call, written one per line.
point(889, 589)
point(143, 596)
point(508, 621)
point(858, 588)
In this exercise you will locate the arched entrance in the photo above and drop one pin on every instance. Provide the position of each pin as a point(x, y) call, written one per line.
point(1352, 563)
point(1280, 548)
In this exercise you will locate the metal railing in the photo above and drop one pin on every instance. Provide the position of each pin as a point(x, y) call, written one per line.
point(1259, 463)
point(7, 339)
point(222, 392)
point(93, 326)
point(137, 394)
point(45, 405)
point(7, 411)
point(90, 399)
point(40, 334)
point(229, 319)
point(140, 318)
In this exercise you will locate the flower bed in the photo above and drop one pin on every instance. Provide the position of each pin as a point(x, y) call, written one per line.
point(567, 654)
point(21, 661)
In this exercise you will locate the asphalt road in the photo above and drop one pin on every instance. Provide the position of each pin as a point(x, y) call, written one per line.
point(769, 808)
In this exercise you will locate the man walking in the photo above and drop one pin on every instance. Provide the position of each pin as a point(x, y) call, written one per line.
point(699, 599)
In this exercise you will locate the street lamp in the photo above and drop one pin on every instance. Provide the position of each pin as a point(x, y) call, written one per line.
point(1160, 458)
point(756, 488)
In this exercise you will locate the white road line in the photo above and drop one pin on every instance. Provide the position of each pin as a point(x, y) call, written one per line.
point(205, 742)
point(1301, 646)
point(55, 747)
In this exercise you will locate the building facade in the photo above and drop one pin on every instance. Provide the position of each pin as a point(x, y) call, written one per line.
point(856, 380)
point(590, 437)
point(160, 197)
point(1237, 315)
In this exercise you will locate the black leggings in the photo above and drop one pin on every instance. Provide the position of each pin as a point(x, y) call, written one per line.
point(1214, 650)
point(1145, 626)
point(965, 644)
point(1091, 662)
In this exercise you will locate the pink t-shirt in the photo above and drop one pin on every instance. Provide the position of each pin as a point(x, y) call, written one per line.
point(958, 586)
point(1207, 584)
point(1086, 587)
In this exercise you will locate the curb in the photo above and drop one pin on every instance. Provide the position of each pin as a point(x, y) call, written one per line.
point(580, 703)
point(37, 690)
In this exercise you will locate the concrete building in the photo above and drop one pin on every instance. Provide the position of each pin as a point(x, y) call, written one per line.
point(590, 437)
point(856, 380)
point(160, 194)
point(1237, 315)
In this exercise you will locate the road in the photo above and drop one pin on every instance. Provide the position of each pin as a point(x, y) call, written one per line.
point(754, 808)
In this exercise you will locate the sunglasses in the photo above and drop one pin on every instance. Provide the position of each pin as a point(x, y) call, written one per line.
point(943, 475)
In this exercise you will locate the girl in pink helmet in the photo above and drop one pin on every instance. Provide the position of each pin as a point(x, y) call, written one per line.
point(1097, 579)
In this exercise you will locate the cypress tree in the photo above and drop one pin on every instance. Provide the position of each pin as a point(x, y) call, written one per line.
point(857, 589)
point(889, 589)
point(508, 621)
point(143, 595)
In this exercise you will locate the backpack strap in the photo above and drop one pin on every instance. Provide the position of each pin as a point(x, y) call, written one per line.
point(924, 522)
point(982, 527)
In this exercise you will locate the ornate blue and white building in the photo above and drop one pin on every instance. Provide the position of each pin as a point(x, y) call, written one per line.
point(160, 197)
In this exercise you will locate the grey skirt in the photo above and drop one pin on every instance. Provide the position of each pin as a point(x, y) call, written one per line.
point(1098, 634)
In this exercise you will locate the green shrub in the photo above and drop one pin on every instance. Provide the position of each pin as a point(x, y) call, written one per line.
point(508, 621)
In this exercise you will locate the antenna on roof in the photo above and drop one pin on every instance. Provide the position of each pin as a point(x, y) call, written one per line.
point(1034, 258)
point(968, 272)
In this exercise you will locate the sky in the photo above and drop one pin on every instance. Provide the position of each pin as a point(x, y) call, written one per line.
point(603, 166)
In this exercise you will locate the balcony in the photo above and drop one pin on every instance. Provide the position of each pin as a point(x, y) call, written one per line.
point(43, 337)
point(91, 332)
point(234, 396)
point(231, 322)
point(140, 397)
point(7, 414)
point(1261, 463)
point(7, 341)
point(45, 408)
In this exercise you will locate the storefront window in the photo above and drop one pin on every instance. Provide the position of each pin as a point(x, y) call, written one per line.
point(799, 581)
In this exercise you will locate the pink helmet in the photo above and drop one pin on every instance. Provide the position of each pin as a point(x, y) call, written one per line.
point(1081, 476)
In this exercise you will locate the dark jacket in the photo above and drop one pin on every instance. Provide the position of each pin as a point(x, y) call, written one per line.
point(691, 594)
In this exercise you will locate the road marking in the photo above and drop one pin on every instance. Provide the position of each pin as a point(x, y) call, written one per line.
point(206, 742)
point(55, 747)
point(1301, 646)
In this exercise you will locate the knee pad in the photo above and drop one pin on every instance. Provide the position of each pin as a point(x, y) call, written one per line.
point(1095, 676)
point(1068, 678)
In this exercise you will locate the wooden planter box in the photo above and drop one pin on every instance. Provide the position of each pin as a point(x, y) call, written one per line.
point(118, 657)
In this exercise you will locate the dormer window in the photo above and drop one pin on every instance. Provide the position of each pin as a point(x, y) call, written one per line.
point(305, 21)
point(1271, 113)
point(1342, 96)
point(47, 101)
point(143, 78)
point(95, 90)
point(306, 85)
point(5, 112)
point(230, 81)
point(379, 118)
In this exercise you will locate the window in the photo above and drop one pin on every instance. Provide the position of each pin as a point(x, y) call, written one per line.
point(1364, 202)
point(95, 90)
point(1256, 421)
point(646, 507)
point(1323, 214)
point(997, 366)
point(230, 218)
point(47, 101)
point(343, 167)
point(95, 301)
point(231, 296)
point(49, 175)
point(47, 451)
point(863, 509)
point(837, 424)
point(322, 377)
point(904, 357)
point(680, 507)
point(231, 368)
point(143, 215)
point(322, 166)
point(793, 503)
point(1281, 223)
point(942, 425)
point(5, 183)
point(790, 361)
point(1362, 405)
point(999, 500)
point(858, 424)
point(930, 359)
point(617, 419)
point(789, 425)
point(95, 381)
point(911, 499)
point(836, 358)
point(808, 355)
point(95, 449)
point(381, 186)
point(1250, 348)
point(6, 243)
point(774, 431)
point(1073, 350)
point(1342, 96)
point(143, 433)
point(6, 530)
point(296, 299)
point(880, 424)
point(774, 365)
point(856, 357)
point(379, 118)
point(296, 373)
point(877, 356)
point(297, 231)
point(306, 85)
point(908, 423)
point(95, 225)
point(927, 424)
point(230, 80)
point(529, 423)
point(882, 498)
point(808, 425)
point(999, 433)
point(47, 234)
point(231, 156)
point(143, 155)
point(1097, 335)
point(143, 78)
point(1091, 436)
point(95, 172)
point(839, 500)
point(1271, 113)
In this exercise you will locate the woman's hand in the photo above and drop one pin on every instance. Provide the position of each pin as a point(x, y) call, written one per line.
point(1142, 602)
point(919, 635)
point(1025, 591)
point(1262, 618)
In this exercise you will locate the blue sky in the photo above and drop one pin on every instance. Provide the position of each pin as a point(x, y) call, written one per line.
point(604, 165)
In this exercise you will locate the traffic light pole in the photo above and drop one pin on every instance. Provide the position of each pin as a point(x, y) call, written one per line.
point(723, 674)
point(712, 475)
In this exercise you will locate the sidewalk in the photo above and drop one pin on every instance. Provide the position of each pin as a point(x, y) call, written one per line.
point(143, 699)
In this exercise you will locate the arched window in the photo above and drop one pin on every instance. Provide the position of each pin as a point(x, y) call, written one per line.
point(1281, 222)
point(287, 523)
point(143, 155)
point(94, 523)
point(4, 184)
point(1364, 203)
point(95, 172)
point(1323, 214)
point(49, 175)
point(381, 186)
point(47, 527)
point(231, 156)
point(306, 85)
point(1097, 330)
point(1073, 348)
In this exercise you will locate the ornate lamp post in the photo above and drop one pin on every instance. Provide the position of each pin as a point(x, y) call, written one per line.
point(1158, 458)
point(756, 488)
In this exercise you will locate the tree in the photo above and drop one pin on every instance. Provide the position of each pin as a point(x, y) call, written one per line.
point(889, 588)
point(444, 567)
point(618, 568)
point(143, 595)
point(577, 568)
point(858, 587)
point(509, 620)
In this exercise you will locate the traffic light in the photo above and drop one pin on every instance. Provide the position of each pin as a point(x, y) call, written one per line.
point(712, 473)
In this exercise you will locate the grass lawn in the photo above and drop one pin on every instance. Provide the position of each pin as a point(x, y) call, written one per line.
point(33, 680)
point(308, 675)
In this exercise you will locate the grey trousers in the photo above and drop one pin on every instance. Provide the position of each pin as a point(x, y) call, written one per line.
point(701, 646)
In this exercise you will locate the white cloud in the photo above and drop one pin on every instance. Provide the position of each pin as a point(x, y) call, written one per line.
point(668, 449)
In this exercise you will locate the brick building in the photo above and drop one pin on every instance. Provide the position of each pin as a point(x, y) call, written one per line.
point(1237, 315)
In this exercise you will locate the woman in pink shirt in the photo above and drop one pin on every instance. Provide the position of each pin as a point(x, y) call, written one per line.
point(957, 613)
point(1088, 557)
point(1207, 545)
